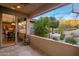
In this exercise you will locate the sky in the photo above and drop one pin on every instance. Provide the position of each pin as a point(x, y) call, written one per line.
point(64, 12)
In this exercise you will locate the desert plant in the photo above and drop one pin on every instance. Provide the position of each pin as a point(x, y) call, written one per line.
point(55, 23)
point(55, 38)
point(62, 36)
point(68, 26)
point(42, 26)
point(76, 26)
point(60, 28)
point(71, 40)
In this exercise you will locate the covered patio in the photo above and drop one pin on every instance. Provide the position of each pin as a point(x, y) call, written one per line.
point(39, 46)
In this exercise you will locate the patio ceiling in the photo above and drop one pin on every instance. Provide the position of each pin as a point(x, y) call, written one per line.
point(31, 9)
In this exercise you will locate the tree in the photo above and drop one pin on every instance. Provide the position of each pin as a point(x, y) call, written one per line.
point(42, 26)
point(55, 23)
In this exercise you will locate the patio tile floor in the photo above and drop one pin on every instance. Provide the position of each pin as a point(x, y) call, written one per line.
point(19, 50)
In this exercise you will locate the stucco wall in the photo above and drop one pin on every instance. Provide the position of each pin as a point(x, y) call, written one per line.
point(52, 47)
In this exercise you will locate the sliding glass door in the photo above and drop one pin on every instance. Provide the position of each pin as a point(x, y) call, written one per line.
point(8, 30)
point(12, 29)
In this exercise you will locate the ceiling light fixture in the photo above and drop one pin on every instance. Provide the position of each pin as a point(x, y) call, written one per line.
point(13, 24)
point(12, 8)
point(18, 6)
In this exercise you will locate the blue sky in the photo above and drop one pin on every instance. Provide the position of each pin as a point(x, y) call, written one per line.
point(64, 12)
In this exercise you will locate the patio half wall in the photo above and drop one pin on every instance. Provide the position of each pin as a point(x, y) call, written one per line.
point(53, 48)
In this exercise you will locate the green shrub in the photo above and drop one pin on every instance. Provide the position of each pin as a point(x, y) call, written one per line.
point(42, 26)
point(59, 30)
point(68, 26)
point(71, 40)
point(76, 26)
point(62, 36)
point(55, 38)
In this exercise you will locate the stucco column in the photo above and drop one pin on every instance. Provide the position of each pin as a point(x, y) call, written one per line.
point(16, 30)
point(27, 30)
point(0, 29)
point(28, 26)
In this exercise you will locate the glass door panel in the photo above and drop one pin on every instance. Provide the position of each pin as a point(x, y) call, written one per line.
point(8, 29)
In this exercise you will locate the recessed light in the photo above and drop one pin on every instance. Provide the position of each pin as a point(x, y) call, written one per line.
point(18, 6)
